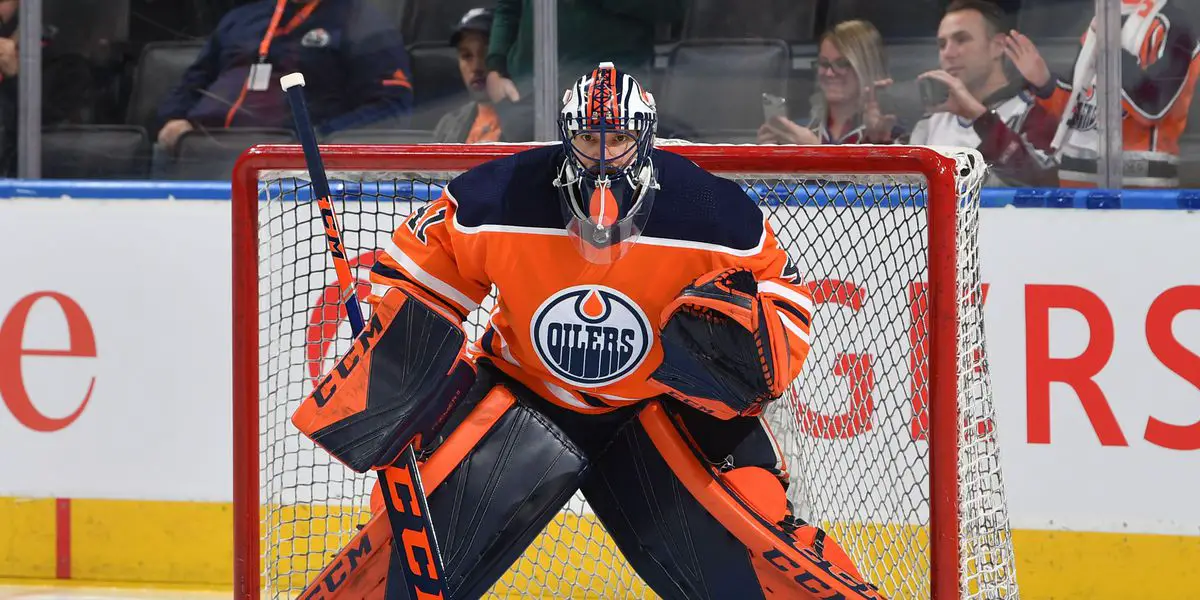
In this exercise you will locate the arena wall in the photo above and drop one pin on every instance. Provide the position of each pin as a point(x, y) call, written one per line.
point(115, 435)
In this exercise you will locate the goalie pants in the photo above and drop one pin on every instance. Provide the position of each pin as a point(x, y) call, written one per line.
point(516, 478)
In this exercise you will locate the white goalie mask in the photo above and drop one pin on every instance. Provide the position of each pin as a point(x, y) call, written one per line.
point(606, 183)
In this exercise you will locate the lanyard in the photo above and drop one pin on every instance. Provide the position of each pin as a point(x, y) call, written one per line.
point(265, 46)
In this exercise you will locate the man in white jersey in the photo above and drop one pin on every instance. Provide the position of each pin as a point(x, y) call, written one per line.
point(983, 108)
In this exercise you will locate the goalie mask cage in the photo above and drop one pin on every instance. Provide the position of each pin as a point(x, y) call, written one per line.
point(888, 433)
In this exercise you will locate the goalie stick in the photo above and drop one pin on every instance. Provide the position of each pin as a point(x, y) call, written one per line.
point(404, 495)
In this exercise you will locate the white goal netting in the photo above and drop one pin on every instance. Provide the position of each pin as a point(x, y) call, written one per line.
point(855, 427)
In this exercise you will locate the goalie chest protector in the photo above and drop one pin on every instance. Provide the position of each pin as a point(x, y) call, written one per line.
point(582, 335)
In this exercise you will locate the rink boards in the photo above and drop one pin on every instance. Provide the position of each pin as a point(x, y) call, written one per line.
point(146, 501)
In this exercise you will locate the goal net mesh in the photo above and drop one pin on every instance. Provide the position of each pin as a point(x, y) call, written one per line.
point(854, 427)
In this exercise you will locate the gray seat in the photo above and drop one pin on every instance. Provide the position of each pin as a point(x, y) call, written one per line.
point(95, 152)
point(95, 29)
point(158, 71)
point(1060, 55)
point(895, 19)
point(717, 85)
point(380, 136)
point(210, 155)
point(437, 83)
point(1189, 159)
point(431, 20)
point(791, 20)
point(1043, 20)
point(393, 10)
point(908, 58)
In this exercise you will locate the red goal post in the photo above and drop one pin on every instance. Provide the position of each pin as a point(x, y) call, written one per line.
point(948, 182)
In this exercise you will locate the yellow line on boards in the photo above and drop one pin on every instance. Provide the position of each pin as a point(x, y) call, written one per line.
point(189, 545)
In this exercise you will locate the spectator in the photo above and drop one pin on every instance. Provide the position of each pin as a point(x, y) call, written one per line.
point(354, 63)
point(620, 31)
point(851, 69)
point(67, 90)
point(477, 120)
point(1160, 59)
point(981, 107)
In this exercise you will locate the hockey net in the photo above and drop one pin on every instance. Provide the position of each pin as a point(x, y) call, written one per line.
point(889, 432)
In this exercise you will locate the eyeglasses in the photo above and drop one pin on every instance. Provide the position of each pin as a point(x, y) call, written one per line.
point(840, 65)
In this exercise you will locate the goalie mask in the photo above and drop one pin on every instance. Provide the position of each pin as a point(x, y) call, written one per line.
point(606, 182)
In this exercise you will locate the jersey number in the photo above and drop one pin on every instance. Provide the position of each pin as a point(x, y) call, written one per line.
point(422, 218)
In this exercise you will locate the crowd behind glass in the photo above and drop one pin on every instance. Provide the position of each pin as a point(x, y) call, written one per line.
point(176, 89)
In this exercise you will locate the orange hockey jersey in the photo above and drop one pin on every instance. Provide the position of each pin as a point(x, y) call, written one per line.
point(1160, 63)
point(584, 335)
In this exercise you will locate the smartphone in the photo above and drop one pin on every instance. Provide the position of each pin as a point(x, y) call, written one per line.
point(887, 100)
point(774, 106)
point(933, 92)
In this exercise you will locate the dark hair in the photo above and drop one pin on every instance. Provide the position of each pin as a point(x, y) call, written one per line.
point(993, 15)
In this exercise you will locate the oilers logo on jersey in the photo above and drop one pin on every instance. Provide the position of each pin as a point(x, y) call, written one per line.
point(590, 336)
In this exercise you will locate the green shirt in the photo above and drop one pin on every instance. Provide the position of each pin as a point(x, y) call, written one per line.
point(589, 32)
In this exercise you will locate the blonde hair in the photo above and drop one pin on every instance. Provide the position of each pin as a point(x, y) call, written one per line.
point(862, 46)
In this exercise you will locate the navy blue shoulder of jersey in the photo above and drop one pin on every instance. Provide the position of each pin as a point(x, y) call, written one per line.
point(516, 190)
point(696, 206)
point(691, 204)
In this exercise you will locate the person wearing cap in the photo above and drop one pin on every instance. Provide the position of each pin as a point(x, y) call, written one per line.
point(477, 120)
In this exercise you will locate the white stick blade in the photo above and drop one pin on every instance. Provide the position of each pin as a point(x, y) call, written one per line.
point(291, 80)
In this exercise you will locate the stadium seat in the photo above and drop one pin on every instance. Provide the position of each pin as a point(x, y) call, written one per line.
point(1189, 159)
point(95, 152)
point(908, 58)
point(393, 10)
point(380, 136)
point(95, 29)
point(717, 85)
point(791, 20)
point(1059, 54)
point(431, 20)
point(895, 19)
point(210, 155)
point(158, 21)
point(158, 71)
point(437, 84)
point(1043, 20)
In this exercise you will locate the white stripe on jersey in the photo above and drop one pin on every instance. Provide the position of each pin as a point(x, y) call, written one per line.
point(791, 326)
point(566, 396)
point(778, 289)
point(418, 274)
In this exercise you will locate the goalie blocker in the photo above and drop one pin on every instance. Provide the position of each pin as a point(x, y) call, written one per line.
point(508, 461)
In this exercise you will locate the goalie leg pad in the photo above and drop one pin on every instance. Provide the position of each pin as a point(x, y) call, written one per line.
point(668, 538)
point(359, 570)
point(499, 473)
point(399, 382)
point(689, 538)
point(502, 493)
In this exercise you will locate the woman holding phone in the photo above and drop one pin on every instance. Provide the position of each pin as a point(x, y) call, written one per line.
point(851, 69)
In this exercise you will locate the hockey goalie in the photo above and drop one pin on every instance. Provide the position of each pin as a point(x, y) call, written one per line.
point(645, 315)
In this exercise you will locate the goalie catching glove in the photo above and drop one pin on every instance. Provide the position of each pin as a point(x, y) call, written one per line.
point(725, 347)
